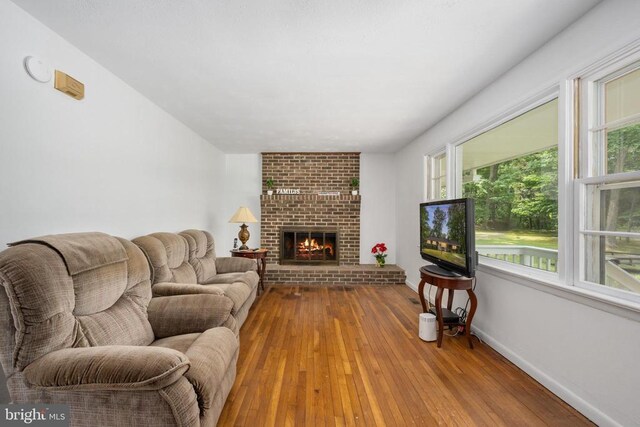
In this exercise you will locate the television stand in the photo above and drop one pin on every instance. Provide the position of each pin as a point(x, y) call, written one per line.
point(436, 269)
point(456, 283)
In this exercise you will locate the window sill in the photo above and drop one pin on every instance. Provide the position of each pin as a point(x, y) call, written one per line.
point(551, 284)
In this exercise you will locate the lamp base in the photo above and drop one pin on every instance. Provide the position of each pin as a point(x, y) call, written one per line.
point(243, 235)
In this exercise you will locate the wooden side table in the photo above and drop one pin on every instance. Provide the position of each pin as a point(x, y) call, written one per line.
point(459, 283)
point(260, 256)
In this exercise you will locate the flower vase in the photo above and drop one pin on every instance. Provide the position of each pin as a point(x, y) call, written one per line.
point(378, 252)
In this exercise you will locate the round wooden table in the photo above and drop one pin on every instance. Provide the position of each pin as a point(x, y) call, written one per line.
point(260, 256)
point(458, 283)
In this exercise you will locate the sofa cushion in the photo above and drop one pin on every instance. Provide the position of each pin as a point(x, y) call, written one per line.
point(168, 289)
point(249, 278)
point(111, 367)
point(235, 265)
point(86, 251)
point(185, 314)
point(238, 292)
point(180, 343)
point(211, 355)
point(168, 254)
point(202, 253)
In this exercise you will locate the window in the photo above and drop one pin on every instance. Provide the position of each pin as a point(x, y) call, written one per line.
point(517, 167)
point(511, 171)
point(437, 176)
point(609, 186)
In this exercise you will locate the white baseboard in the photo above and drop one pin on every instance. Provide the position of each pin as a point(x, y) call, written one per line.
point(411, 285)
point(582, 406)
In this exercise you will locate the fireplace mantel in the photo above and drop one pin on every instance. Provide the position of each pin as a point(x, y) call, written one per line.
point(289, 197)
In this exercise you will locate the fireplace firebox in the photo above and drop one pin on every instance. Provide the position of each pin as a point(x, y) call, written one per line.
point(309, 245)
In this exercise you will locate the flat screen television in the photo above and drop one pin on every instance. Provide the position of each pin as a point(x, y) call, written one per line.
point(447, 237)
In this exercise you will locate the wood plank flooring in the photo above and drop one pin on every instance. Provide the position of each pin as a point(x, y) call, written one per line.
point(350, 355)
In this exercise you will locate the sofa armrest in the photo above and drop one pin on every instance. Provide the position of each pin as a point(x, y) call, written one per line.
point(165, 289)
point(186, 314)
point(114, 367)
point(235, 265)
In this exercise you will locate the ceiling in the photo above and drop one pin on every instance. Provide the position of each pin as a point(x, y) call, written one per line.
point(305, 75)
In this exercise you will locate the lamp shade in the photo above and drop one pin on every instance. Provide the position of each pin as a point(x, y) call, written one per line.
point(243, 215)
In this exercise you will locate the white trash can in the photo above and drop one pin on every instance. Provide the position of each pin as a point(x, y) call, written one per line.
point(427, 328)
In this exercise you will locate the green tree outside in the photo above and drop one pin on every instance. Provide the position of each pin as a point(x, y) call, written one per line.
point(438, 222)
point(521, 193)
point(456, 226)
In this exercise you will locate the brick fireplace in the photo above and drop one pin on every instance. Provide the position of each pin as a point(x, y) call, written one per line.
point(313, 174)
point(313, 236)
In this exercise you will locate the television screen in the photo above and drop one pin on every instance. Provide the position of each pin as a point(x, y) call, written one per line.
point(447, 236)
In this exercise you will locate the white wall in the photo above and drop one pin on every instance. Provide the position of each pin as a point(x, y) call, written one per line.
point(244, 177)
point(377, 186)
point(586, 355)
point(377, 210)
point(113, 162)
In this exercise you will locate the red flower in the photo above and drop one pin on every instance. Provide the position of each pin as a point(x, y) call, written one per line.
point(379, 248)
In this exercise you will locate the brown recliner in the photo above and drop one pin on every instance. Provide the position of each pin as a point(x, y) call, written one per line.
point(78, 326)
point(186, 263)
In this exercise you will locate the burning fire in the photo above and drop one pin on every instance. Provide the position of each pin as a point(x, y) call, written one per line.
point(313, 246)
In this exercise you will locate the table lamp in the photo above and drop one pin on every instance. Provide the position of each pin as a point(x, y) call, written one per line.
point(242, 216)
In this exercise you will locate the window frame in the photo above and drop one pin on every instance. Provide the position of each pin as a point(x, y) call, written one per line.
point(431, 166)
point(455, 174)
point(592, 164)
point(581, 231)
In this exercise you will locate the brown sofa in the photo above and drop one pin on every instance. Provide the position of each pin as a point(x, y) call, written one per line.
point(78, 326)
point(186, 263)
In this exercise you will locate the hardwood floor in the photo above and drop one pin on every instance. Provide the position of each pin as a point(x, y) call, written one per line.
point(350, 355)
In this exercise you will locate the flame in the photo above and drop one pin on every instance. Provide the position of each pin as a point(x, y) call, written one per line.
point(330, 247)
point(311, 246)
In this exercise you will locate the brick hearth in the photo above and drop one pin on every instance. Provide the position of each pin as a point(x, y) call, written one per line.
point(362, 274)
